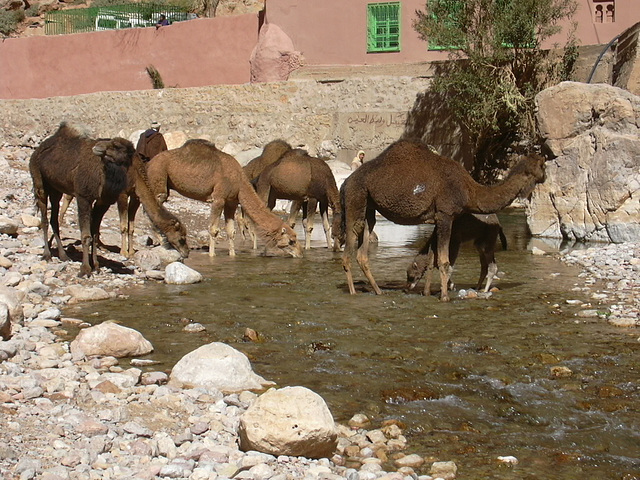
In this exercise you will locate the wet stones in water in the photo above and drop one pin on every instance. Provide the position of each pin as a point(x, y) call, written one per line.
point(319, 346)
point(399, 396)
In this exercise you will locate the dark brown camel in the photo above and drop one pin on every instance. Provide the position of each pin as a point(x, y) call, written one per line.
point(409, 184)
point(299, 177)
point(200, 171)
point(150, 143)
point(484, 230)
point(96, 172)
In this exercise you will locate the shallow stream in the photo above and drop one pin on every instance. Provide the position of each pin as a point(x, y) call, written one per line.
point(471, 379)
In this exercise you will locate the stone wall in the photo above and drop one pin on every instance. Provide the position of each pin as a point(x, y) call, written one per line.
point(335, 119)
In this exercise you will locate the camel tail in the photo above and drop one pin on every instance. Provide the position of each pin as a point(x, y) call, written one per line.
point(503, 239)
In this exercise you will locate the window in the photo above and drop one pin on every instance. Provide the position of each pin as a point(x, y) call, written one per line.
point(604, 11)
point(383, 27)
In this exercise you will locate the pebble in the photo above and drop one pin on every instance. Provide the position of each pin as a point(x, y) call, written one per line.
point(610, 274)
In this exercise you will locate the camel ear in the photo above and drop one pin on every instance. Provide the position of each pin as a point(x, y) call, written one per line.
point(100, 148)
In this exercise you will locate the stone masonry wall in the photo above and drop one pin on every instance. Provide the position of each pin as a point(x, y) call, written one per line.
point(328, 118)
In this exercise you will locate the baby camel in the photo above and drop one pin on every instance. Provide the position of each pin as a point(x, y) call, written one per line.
point(200, 171)
point(484, 230)
point(409, 185)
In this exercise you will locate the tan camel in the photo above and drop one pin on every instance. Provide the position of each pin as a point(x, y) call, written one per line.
point(409, 184)
point(299, 177)
point(484, 230)
point(200, 171)
point(96, 173)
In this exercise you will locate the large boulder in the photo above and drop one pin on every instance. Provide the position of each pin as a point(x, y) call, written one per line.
point(217, 366)
point(274, 56)
point(289, 421)
point(592, 189)
point(110, 339)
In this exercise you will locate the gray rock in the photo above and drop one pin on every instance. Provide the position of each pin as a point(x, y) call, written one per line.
point(110, 339)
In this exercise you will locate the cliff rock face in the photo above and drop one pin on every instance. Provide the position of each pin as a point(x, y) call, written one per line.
point(592, 190)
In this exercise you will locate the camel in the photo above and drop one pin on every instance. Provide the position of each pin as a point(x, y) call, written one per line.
point(198, 170)
point(409, 184)
point(271, 152)
point(149, 145)
point(96, 173)
point(299, 177)
point(484, 230)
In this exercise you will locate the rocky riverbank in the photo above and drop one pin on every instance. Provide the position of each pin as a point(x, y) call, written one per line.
point(67, 417)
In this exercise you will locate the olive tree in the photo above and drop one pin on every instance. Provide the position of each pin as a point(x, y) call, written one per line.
point(497, 67)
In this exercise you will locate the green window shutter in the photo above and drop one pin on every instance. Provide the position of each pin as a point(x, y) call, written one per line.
point(383, 27)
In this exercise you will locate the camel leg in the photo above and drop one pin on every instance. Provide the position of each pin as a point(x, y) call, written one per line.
point(443, 224)
point(134, 204)
point(123, 215)
point(363, 252)
point(84, 220)
point(217, 205)
point(324, 213)
point(54, 197)
point(431, 265)
point(66, 201)
point(229, 217)
point(41, 204)
point(96, 219)
point(294, 209)
point(307, 221)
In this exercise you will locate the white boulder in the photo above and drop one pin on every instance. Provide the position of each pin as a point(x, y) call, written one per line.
point(178, 273)
point(289, 421)
point(217, 366)
point(110, 339)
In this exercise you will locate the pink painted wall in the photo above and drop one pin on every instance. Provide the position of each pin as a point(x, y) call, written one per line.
point(187, 54)
point(334, 32)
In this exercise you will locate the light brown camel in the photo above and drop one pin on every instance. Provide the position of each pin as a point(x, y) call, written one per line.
point(200, 171)
point(409, 184)
point(95, 172)
point(484, 230)
point(300, 177)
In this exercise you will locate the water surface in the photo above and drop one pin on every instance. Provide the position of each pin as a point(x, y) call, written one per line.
point(471, 379)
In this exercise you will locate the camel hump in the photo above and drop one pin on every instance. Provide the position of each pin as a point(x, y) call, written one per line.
point(199, 141)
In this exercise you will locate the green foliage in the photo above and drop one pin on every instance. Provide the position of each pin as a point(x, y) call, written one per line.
point(499, 67)
point(33, 10)
point(9, 20)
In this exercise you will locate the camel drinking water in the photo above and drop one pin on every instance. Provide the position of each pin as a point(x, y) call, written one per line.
point(96, 173)
point(198, 170)
point(484, 230)
point(299, 177)
point(409, 184)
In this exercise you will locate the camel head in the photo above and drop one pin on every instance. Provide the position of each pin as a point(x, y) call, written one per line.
point(415, 271)
point(533, 168)
point(176, 235)
point(118, 151)
point(286, 242)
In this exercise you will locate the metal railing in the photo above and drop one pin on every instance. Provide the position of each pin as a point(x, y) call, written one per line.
point(112, 17)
